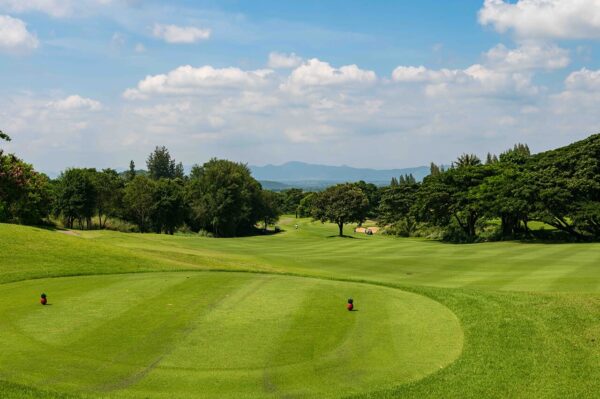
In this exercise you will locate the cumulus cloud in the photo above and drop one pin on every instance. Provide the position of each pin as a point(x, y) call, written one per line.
point(14, 36)
point(477, 80)
point(315, 73)
point(281, 61)
point(189, 80)
point(75, 102)
point(584, 79)
point(528, 56)
point(561, 19)
point(180, 34)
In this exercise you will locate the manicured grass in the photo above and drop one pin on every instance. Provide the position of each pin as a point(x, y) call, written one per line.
point(529, 316)
point(228, 334)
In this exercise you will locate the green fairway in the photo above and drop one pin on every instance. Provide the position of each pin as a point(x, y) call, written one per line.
point(433, 320)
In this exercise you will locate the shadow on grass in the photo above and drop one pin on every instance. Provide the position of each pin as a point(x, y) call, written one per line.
point(345, 236)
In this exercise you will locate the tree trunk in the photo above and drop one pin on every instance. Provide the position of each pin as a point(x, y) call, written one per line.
point(341, 227)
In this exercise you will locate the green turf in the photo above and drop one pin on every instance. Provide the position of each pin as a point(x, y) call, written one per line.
point(228, 334)
point(529, 315)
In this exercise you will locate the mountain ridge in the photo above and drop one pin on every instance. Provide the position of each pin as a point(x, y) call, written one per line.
point(296, 171)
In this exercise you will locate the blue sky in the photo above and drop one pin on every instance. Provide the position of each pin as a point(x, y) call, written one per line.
point(372, 84)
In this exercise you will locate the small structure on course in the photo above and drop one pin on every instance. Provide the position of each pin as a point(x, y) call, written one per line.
point(367, 230)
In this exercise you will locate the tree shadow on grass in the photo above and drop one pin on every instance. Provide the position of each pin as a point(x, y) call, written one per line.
point(345, 236)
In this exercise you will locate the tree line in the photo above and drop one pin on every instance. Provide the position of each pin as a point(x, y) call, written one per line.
point(468, 201)
point(219, 197)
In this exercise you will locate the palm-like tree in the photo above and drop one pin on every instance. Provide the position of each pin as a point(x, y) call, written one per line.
point(467, 160)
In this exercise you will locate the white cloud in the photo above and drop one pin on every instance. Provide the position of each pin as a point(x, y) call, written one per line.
point(14, 36)
point(476, 80)
point(139, 48)
point(280, 60)
point(189, 80)
point(584, 79)
point(180, 34)
point(75, 102)
point(54, 8)
point(561, 19)
point(315, 73)
point(528, 56)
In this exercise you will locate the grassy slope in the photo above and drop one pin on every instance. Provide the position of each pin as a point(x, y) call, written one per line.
point(517, 344)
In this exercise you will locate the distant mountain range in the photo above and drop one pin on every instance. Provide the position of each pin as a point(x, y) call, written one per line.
point(311, 176)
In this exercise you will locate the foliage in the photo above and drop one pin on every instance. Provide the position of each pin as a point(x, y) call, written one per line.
point(76, 196)
point(305, 206)
point(270, 209)
point(162, 166)
point(224, 198)
point(341, 204)
point(138, 199)
point(25, 195)
point(396, 206)
point(109, 191)
point(169, 208)
point(290, 200)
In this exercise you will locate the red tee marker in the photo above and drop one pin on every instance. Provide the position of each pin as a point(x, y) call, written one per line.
point(350, 306)
point(43, 299)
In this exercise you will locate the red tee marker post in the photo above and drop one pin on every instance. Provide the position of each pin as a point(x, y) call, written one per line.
point(43, 299)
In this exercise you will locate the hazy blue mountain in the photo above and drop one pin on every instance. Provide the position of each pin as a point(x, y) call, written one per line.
point(292, 173)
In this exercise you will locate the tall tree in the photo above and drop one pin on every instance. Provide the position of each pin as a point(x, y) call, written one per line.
point(434, 170)
point(224, 197)
point(341, 204)
point(131, 173)
point(162, 166)
point(139, 199)
point(76, 196)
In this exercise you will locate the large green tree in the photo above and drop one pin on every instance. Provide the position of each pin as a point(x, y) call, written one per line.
point(76, 196)
point(224, 197)
point(341, 204)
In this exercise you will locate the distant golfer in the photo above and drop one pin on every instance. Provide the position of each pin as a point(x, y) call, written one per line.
point(350, 305)
point(43, 299)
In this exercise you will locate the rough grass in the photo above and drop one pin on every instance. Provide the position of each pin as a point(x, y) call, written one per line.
point(529, 312)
